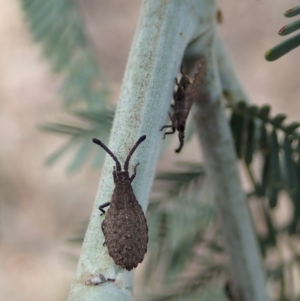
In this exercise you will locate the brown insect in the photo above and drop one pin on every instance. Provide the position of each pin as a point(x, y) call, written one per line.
point(230, 293)
point(184, 97)
point(124, 227)
point(219, 16)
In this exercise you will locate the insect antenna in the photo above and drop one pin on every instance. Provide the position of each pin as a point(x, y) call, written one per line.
point(126, 164)
point(118, 165)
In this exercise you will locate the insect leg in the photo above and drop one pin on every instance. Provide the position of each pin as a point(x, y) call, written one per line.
point(168, 133)
point(103, 206)
point(165, 127)
point(188, 80)
point(179, 84)
point(182, 72)
point(134, 173)
point(104, 243)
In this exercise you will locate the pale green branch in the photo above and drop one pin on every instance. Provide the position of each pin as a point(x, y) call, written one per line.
point(221, 168)
point(231, 86)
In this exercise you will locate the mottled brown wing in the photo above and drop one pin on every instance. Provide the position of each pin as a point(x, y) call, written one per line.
point(125, 231)
point(197, 74)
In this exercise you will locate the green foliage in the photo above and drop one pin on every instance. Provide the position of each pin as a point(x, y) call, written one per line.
point(276, 147)
point(202, 293)
point(57, 26)
point(90, 123)
point(277, 143)
point(181, 181)
point(181, 225)
point(286, 46)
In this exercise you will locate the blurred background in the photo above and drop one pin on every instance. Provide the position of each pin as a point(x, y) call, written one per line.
point(42, 207)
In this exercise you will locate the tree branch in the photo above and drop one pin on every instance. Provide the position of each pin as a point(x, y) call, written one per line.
point(221, 167)
point(164, 29)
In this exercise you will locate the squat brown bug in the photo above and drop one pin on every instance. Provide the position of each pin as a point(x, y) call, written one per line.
point(184, 97)
point(124, 227)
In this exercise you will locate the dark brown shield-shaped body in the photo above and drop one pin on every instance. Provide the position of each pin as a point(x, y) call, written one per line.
point(125, 226)
point(187, 90)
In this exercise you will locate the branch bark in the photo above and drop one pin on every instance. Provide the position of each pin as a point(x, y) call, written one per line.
point(221, 167)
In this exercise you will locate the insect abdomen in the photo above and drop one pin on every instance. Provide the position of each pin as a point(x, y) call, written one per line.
point(126, 236)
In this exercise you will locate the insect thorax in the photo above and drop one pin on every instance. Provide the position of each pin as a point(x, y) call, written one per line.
point(121, 176)
point(179, 121)
point(123, 195)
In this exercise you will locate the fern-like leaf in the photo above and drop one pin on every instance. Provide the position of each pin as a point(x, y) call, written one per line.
point(56, 24)
point(91, 123)
point(286, 46)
